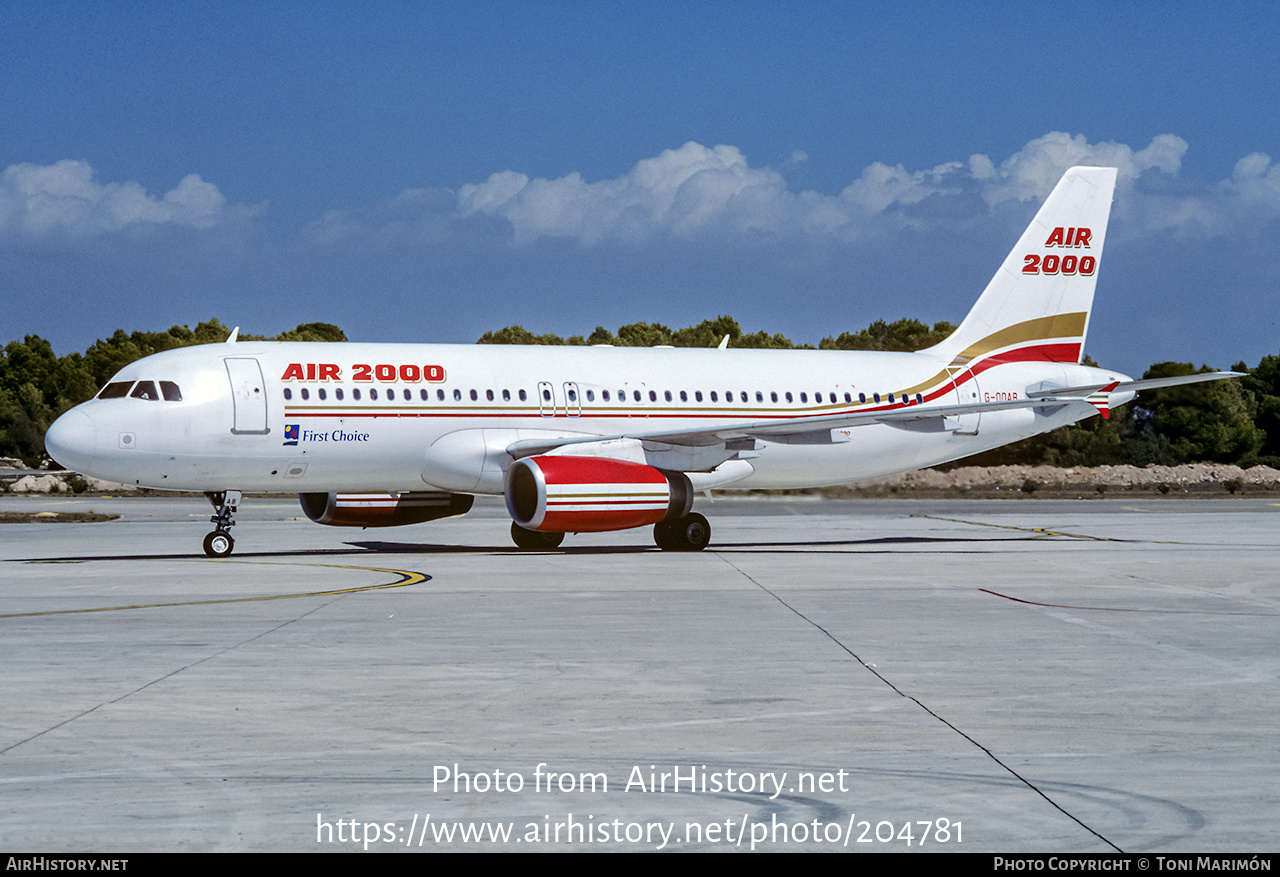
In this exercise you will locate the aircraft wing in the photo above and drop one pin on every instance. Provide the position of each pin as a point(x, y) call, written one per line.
point(817, 429)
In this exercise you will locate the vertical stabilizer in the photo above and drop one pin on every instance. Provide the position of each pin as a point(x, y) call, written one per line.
point(1036, 308)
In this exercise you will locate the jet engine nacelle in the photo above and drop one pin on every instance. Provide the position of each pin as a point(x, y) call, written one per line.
point(383, 509)
point(564, 494)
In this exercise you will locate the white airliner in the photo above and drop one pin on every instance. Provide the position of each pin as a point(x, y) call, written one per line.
point(584, 439)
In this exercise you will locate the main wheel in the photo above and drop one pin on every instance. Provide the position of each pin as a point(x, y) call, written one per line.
point(690, 533)
point(534, 540)
point(662, 536)
point(218, 544)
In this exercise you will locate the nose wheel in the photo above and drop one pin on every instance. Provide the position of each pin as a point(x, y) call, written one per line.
point(219, 543)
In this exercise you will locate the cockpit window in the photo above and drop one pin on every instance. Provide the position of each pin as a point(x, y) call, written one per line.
point(170, 391)
point(117, 390)
point(146, 390)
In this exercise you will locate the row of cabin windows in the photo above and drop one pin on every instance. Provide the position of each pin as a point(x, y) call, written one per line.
point(636, 395)
point(743, 396)
point(390, 394)
point(168, 391)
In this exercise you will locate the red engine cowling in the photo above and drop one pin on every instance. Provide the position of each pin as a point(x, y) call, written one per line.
point(593, 494)
point(383, 509)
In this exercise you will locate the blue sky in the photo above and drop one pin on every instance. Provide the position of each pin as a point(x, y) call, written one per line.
point(429, 171)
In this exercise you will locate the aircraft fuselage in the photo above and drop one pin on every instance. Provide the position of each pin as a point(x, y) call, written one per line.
point(297, 417)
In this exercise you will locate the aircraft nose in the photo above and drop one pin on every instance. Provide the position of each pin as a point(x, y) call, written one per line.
point(72, 440)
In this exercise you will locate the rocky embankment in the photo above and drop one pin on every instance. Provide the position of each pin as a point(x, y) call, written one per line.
point(1199, 479)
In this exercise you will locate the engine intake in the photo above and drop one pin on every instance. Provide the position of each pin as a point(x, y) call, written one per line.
point(383, 509)
point(564, 494)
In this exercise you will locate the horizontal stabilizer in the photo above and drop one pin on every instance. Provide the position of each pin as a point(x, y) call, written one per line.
point(1133, 386)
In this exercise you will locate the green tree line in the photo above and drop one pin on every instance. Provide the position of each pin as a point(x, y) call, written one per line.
point(1234, 421)
point(36, 385)
point(902, 335)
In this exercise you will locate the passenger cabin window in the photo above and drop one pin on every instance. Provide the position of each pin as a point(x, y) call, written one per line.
point(338, 393)
point(288, 394)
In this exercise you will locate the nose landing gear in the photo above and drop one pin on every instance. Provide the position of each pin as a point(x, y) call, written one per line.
point(219, 543)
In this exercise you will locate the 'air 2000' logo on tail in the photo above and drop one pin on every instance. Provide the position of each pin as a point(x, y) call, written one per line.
point(1052, 263)
point(290, 434)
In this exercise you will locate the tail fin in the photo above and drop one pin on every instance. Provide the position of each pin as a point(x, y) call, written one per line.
point(1037, 306)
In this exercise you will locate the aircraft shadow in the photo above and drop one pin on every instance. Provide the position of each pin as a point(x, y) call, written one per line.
point(365, 548)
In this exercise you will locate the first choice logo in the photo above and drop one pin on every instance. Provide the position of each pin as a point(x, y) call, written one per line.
point(386, 373)
point(293, 433)
point(1034, 263)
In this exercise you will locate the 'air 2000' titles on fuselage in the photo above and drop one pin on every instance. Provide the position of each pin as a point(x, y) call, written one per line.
point(405, 373)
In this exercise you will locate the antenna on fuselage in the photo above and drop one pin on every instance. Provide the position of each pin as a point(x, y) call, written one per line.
point(724, 343)
point(235, 333)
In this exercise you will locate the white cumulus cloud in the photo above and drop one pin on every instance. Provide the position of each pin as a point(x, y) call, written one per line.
point(700, 193)
point(64, 199)
point(1032, 172)
point(681, 191)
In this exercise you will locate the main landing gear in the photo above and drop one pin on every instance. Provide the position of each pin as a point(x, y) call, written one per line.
point(690, 533)
point(219, 543)
point(534, 540)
